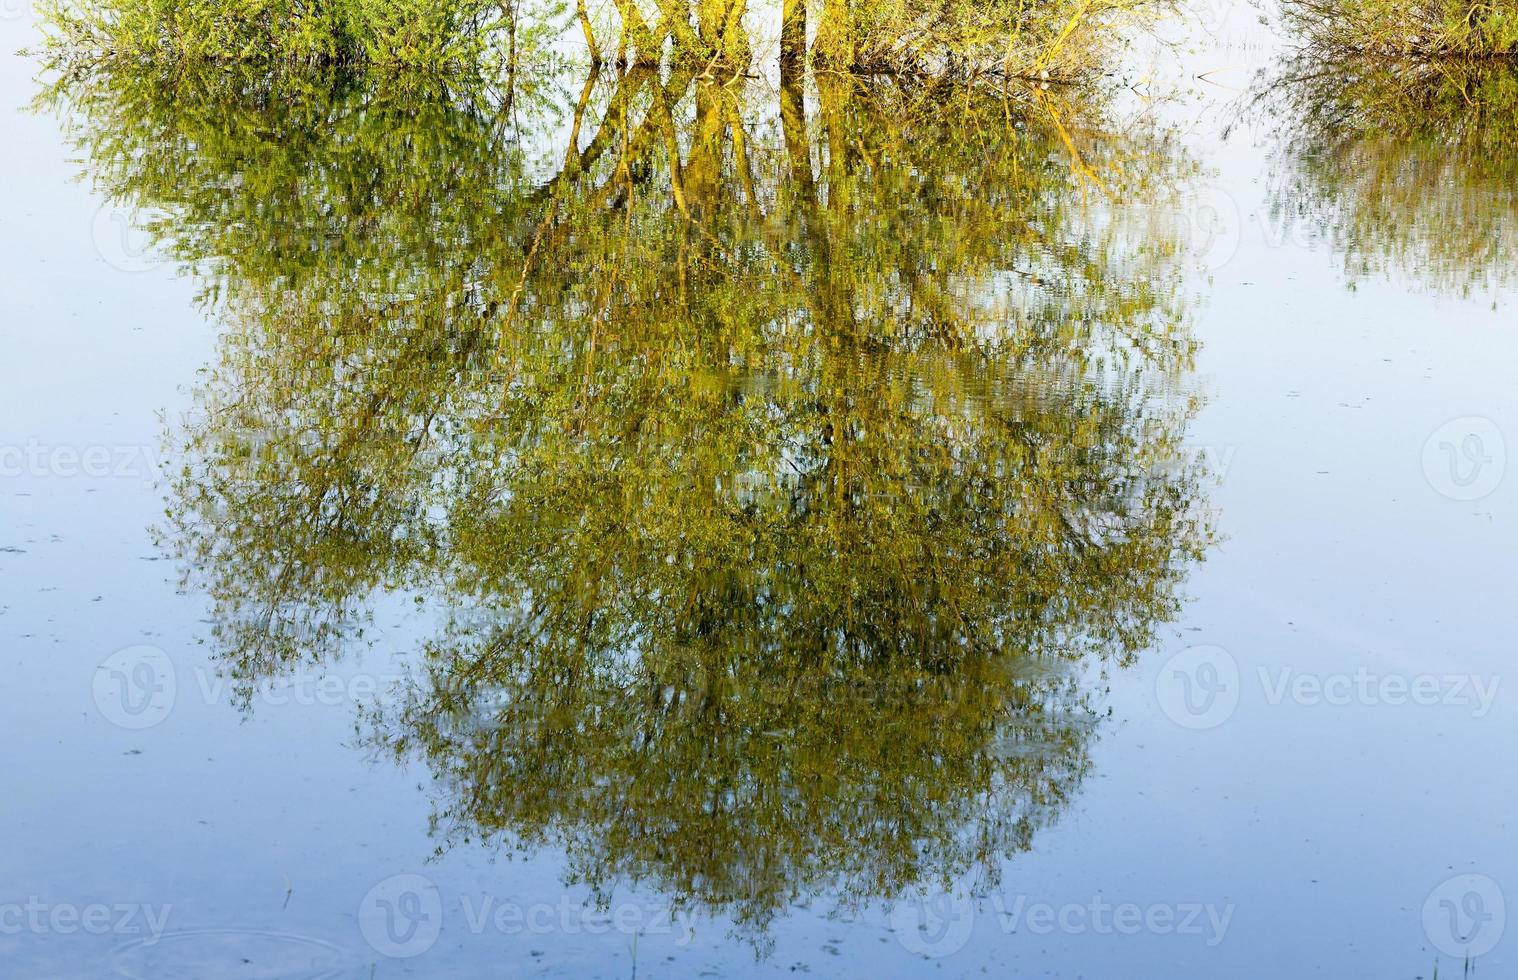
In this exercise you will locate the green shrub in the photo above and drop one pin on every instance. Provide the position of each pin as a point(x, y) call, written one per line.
point(1052, 39)
point(1427, 28)
point(452, 34)
point(1407, 169)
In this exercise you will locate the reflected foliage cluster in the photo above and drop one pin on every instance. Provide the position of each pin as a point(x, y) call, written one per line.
point(779, 462)
point(1407, 171)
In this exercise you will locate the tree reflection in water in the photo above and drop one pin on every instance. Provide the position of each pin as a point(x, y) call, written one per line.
point(1404, 167)
point(787, 463)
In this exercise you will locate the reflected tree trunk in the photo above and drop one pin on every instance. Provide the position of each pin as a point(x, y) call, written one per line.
point(798, 146)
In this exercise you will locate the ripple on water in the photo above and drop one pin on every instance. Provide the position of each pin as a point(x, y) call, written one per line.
point(234, 954)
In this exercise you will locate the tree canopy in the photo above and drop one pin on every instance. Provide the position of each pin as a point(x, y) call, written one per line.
point(783, 463)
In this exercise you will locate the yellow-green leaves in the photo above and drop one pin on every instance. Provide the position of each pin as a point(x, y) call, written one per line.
point(1056, 38)
point(776, 465)
point(1405, 168)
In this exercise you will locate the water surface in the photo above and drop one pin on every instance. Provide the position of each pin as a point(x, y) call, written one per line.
point(632, 522)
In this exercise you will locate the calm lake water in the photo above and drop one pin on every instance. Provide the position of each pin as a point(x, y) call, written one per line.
point(650, 526)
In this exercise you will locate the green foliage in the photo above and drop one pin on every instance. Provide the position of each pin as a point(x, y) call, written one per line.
point(1049, 39)
point(1422, 28)
point(1061, 39)
point(412, 34)
point(1411, 169)
point(779, 463)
